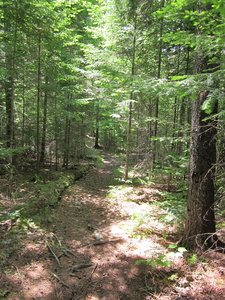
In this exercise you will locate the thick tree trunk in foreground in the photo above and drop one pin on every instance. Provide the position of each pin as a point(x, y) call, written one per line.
point(200, 226)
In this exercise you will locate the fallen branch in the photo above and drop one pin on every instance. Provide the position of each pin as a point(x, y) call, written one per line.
point(76, 268)
point(52, 252)
point(58, 240)
point(102, 243)
point(70, 252)
point(95, 267)
point(60, 280)
point(65, 250)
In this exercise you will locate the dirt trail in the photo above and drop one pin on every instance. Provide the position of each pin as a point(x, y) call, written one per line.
point(89, 250)
point(90, 226)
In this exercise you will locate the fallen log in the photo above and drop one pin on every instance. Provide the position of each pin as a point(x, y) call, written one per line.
point(47, 196)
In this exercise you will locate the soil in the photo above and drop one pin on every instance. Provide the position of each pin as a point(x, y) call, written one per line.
point(90, 248)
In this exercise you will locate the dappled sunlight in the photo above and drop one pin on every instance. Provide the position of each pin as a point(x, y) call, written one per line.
point(106, 241)
point(30, 288)
point(29, 276)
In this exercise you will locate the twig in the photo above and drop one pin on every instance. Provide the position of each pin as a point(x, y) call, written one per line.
point(80, 266)
point(95, 267)
point(60, 280)
point(52, 252)
point(96, 243)
point(58, 240)
point(70, 252)
point(102, 243)
point(65, 249)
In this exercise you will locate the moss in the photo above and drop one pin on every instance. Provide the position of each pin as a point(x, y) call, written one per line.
point(47, 196)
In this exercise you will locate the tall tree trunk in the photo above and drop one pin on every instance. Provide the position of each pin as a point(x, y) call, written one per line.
point(9, 86)
point(56, 133)
point(130, 111)
point(44, 128)
point(158, 76)
point(128, 140)
point(200, 223)
point(97, 125)
point(200, 227)
point(150, 142)
point(38, 103)
point(67, 136)
point(23, 113)
point(174, 144)
point(10, 57)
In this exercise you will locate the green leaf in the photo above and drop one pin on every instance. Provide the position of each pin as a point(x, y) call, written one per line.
point(172, 277)
point(182, 250)
point(172, 246)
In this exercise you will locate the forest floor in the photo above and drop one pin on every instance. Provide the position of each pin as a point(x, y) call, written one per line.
point(106, 240)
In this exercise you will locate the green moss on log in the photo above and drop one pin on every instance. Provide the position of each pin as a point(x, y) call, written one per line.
point(48, 196)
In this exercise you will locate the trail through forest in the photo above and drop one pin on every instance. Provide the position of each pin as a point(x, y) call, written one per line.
point(90, 249)
point(92, 228)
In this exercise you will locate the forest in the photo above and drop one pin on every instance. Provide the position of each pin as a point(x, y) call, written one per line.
point(136, 82)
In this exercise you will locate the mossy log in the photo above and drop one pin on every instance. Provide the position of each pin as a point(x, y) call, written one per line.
point(48, 196)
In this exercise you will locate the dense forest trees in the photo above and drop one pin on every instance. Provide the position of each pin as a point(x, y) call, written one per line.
point(133, 76)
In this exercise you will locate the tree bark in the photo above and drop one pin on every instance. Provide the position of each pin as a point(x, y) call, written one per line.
point(67, 136)
point(200, 224)
point(10, 57)
point(97, 125)
point(130, 111)
point(44, 128)
point(158, 76)
point(38, 104)
point(128, 140)
point(200, 227)
point(10, 44)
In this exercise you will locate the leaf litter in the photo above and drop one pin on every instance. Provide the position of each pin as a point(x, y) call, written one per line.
point(128, 259)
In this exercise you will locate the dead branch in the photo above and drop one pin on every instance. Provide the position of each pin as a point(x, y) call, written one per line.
point(92, 272)
point(58, 240)
point(60, 280)
point(76, 268)
point(102, 243)
point(52, 252)
point(65, 250)
point(70, 252)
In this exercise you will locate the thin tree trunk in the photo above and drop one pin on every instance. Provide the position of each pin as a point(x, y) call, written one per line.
point(158, 76)
point(67, 138)
point(66, 145)
point(23, 113)
point(38, 104)
point(10, 56)
point(128, 140)
point(97, 125)
point(10, 60)
point(181, 124)
point(44, 128)
point(173, 146)
point(130, 111)
point(56, 135)
point(149, 140)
